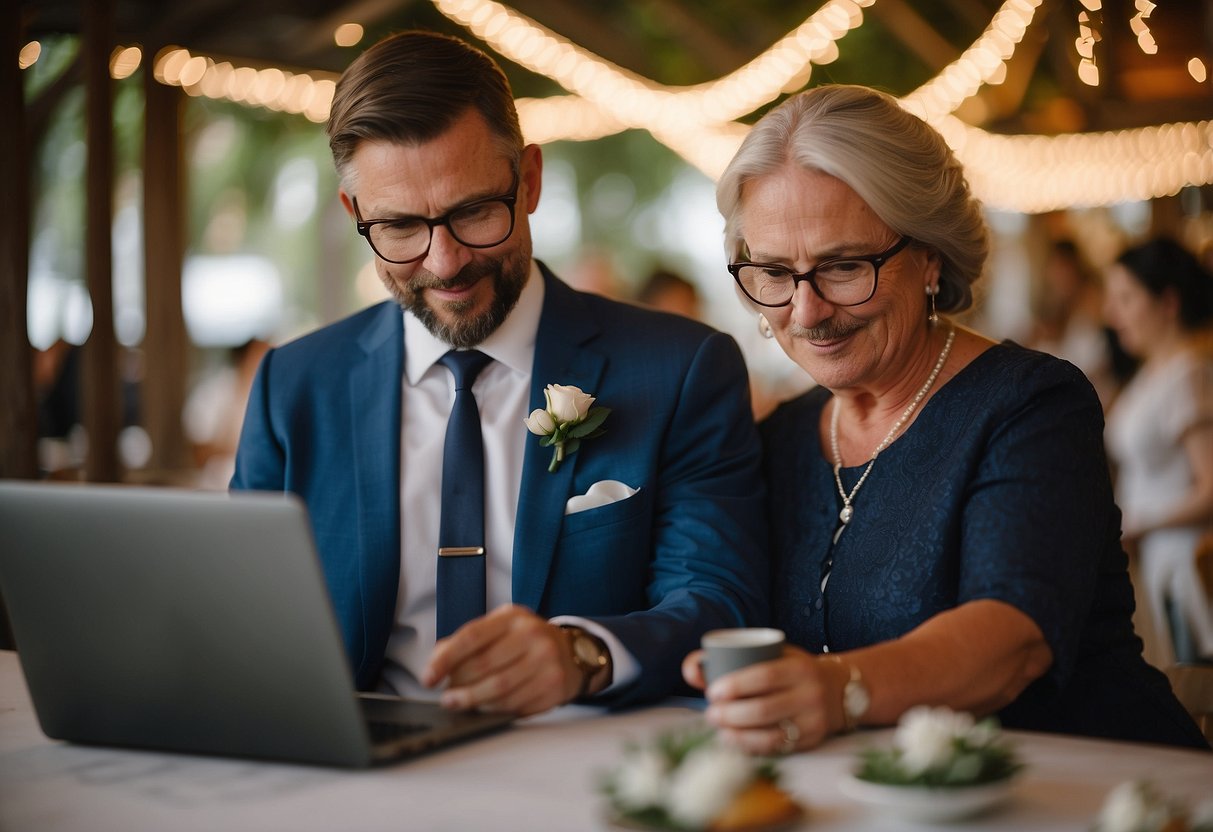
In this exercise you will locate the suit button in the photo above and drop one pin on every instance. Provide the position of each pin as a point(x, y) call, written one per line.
point(808, 610)
point(818, 604)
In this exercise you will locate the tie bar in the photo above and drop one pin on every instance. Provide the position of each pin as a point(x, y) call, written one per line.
point(459, 551)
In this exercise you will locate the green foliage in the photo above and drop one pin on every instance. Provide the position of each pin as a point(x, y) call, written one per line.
point(969, 765)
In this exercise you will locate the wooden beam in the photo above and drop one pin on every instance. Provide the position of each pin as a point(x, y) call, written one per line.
point(18, 417)
point(590, 26)
point(915, 34)
point(165, 345)
point(100, 357)
point(316, 36)
point(719, 55)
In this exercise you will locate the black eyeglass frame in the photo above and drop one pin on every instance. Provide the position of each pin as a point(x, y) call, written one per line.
point(510, 198)
point(877, 260)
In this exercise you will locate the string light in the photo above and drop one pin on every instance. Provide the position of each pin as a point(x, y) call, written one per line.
point(28, 56)
point(348, 34)
point(1088, 36)
point(124, 61)
point(1027, 174)
point(1032, 174)
point(1145, 39)
point(634, 101)
point(306, 94)
point(980, 64)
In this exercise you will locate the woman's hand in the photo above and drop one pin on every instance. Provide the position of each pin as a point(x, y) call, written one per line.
point(776, 707)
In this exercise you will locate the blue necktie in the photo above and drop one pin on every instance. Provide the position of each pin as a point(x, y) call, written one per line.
point(461, 564)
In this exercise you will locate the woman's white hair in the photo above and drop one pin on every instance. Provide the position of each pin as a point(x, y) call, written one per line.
point(897, 164)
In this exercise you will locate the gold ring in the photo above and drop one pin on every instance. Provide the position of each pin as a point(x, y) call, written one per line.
point(791, 734)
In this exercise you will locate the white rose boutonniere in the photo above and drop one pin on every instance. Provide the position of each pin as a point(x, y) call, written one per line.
point(569, 417)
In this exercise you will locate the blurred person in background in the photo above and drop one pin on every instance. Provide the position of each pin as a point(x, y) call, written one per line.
point(1160, 435)
point(669, 291)
point(1069, 321)
point(214, 413)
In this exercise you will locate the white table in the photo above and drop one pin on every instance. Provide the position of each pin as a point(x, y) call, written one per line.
point(539, 775)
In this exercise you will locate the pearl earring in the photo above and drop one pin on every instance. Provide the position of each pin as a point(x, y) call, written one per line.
point(764, 327)
point(932, 316)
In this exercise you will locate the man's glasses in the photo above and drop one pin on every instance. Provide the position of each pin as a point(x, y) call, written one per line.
point(842, 281)
point(482, 223)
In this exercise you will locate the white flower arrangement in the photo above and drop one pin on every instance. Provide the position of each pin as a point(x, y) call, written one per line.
point(939, 747)
point(686, 780)
point(568, 418)
point(1139, 806)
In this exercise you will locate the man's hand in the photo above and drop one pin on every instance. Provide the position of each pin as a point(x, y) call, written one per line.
point(508, 661)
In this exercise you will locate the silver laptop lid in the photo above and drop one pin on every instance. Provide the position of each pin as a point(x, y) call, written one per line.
point(177, 620)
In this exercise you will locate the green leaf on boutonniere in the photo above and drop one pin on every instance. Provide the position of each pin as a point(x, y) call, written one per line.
point(564, 437)
point(593, 421)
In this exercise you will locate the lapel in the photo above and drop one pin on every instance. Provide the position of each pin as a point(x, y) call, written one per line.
point(561, 357)
point(375, 424)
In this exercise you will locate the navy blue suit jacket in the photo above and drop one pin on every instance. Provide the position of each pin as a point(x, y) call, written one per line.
point(686, 554)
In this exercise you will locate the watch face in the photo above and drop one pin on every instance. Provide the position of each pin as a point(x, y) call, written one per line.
point(587, 651)
point(855, 699)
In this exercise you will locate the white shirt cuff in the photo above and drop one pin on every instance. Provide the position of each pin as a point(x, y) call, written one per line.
point(624, 667)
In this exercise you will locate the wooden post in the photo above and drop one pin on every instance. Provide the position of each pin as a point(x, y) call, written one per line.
point(101, 407)
point(18, 415)
point(1166, 217)
point(165, 345)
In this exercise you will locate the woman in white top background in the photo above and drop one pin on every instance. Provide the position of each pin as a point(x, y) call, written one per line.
point(1160, 436)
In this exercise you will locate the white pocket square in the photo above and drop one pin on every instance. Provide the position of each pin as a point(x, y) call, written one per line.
point(600, 493)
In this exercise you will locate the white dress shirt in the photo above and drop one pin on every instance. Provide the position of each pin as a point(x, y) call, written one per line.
point(502, 391)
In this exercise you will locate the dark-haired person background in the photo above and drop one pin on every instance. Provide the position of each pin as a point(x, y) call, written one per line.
point(1160, 435)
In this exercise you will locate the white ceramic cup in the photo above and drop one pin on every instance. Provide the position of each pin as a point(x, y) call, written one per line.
point(729, 650)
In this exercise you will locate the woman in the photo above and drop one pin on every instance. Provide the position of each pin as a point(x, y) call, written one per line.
point(943, 529)
point(1160, 434)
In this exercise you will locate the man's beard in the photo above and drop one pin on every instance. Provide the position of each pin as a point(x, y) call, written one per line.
point(508, 275)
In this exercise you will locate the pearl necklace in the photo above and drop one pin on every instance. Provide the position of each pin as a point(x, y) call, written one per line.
point(847, 511)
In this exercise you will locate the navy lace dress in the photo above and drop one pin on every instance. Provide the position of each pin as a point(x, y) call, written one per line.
point(1000, 490)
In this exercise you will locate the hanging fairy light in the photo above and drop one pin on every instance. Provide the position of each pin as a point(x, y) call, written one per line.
point(1145, 39)
point(124, 61)
point(982, 63)
point(638, 102)
point(1088, 36)
point(1015, 173)
point(306, 94)
point(28, 56)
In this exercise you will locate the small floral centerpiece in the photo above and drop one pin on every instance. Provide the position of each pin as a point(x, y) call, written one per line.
point(940, 748)
point(1139, 806)
point(568, 418)
point(690, 780)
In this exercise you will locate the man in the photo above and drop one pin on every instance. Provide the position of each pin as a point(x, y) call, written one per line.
point(433, 168)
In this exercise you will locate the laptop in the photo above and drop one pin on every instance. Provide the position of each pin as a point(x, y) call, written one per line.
point(194, 622)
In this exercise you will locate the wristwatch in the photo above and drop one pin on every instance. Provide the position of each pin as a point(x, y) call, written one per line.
point(855, 697)
point(590, 655)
